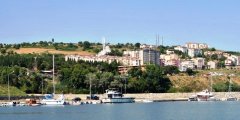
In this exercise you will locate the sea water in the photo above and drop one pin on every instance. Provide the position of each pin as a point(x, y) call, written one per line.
point(127, 111)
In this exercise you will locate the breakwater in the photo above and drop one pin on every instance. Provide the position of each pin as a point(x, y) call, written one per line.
point(157, 96)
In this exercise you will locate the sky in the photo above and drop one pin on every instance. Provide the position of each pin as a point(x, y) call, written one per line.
point(215, 22)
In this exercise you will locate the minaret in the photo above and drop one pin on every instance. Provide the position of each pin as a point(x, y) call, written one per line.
point(103, 42)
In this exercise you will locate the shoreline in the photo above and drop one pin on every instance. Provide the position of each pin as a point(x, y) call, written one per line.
point(143, 96)
point(154, 96)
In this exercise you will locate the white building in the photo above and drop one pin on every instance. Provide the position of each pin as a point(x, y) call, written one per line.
point(185, 64)
point(169, 52)
point(144, 46)
point(145, 56)
point(194, 52)
point(232, 60)
point(181, 48)
point(212, 65)
point(199, 62)
point(196, 45)
point(170, 59)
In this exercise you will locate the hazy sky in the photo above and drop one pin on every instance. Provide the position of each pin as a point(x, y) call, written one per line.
point(215, 22)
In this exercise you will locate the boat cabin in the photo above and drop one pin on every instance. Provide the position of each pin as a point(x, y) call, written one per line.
point(113, 94)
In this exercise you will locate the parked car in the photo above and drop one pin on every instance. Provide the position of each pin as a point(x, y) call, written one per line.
point(92, 97)
point(76, 99)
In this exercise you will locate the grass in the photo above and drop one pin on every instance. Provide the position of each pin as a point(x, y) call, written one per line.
point(13, 91)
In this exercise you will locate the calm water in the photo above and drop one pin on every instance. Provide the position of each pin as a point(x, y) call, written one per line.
point(134, 111)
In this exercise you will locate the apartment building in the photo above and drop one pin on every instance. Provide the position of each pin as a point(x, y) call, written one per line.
point(194, 52)
point(191, 45)
point(170, 59)
point(145, 56)
point(199, 63)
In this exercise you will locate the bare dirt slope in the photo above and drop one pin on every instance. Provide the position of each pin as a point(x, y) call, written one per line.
point(45, 50)
point(201, 80)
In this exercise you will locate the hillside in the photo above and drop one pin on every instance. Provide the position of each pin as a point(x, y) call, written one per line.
point(13, 91)
point(183, 82)
point(45, 50)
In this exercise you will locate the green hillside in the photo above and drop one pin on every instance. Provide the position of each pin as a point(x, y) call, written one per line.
point(13, 91)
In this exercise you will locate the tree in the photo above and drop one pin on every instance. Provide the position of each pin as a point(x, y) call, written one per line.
point(137, 45)
point(170, 70)
point(3, 51)
point(190, 71)
point(86, 45)
point(214, 57)
point(213, 49)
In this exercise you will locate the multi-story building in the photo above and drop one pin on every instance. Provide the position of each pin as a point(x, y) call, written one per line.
point(199, 62)
point(145, 56)
point(194, 52)
point(149, 56)
point(169, 59)
point(196, 45)
point(210, 53)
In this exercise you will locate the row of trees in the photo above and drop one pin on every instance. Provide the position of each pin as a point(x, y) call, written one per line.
point(75, 77)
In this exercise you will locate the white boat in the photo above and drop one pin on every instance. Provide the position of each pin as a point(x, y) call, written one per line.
point(147, 101)
point(114, 96)
point(50, 100)
point(205, 95)
point(231, 99)
point(192, 98)
point(8, 104)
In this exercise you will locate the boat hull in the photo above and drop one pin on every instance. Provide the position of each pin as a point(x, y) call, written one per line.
point(206, 99)
point(53, 102)
point(231, 99)
point(118, 100)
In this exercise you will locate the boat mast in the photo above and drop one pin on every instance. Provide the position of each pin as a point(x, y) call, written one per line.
point(8, 89)
point(229, 86)
point(90, 87)
point(53, 75)
point(211, 84)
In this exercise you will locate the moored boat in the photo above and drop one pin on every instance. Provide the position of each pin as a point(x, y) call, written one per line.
point(205, 95)
point(114, 96)
point(50, 100)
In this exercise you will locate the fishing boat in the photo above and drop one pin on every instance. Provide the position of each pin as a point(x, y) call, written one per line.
point(113, 96)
